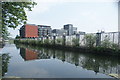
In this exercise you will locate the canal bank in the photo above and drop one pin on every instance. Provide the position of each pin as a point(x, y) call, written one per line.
point(100, 50)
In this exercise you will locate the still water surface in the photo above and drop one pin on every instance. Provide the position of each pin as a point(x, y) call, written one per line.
point(36, 62)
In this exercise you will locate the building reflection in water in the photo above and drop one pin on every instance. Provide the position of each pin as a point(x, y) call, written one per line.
point(28, 54)
point(98, 64)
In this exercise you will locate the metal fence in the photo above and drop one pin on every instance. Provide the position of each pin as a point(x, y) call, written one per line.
point(112, 37)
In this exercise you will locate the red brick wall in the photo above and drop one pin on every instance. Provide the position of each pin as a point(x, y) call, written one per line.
point(31, 31)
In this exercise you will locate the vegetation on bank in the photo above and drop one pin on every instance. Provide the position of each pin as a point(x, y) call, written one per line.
point(106, 47)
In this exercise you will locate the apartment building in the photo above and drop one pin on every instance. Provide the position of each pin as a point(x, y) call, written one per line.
point(29, 31)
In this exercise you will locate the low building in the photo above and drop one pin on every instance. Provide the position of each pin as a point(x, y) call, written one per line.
point(59, 32)
point(44, 31)
point(81, 33)
point(29, 31)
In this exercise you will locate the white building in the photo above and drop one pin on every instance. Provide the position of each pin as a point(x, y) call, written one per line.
point(70, 29)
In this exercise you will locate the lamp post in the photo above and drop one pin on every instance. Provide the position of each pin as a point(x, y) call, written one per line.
point(98, 39)
point(54, 38)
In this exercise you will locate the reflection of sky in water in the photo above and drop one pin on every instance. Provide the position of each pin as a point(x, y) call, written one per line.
point(45, 68)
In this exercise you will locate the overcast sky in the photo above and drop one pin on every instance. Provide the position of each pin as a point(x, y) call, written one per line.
point(87, 15)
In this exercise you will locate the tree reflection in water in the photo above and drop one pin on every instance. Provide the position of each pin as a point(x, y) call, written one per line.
point(96, 63)
point(5, 61)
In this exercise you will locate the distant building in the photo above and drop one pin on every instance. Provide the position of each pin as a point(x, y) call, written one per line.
point(81, 33)
point(44, 31)
point(74, 30)
point(59, 32)
point(29, 31)
point(70, 29)
point(63, 31)
point(55, 30)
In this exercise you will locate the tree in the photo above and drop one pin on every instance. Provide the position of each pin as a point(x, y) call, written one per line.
point(75, 42)
point(5, 61)
point(13, 14)
point(90, 40)
point(17, 37)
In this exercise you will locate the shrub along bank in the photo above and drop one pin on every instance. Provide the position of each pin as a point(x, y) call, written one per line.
point(105, 48)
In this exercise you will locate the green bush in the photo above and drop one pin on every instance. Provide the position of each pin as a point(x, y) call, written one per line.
point(46, 41)
point(52, 42)
point(90, 40)
point(39, 42)
point(114, 46)
point(75, 42)
point(32, 42)
point(59, 41)
point(106, 43)
point(68, 43)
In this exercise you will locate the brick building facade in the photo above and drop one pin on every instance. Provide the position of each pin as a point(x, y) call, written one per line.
point(29, 31)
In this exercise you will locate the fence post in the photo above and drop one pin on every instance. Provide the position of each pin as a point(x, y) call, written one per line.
point(64, 40)
point(98, 39)
point(78, 38)
point(47, 37)
point(113, 37)
point(54, 38)
point(42, 40)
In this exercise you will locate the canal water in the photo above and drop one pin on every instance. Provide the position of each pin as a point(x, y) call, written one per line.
point(36, 62)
